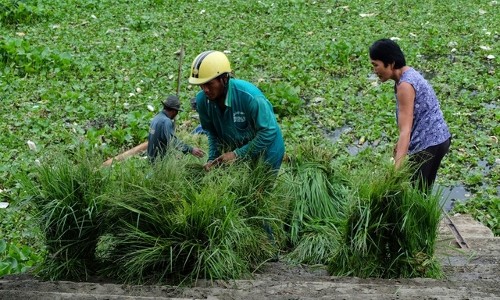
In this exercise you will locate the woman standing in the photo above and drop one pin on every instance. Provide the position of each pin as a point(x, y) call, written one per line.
point(423, 133)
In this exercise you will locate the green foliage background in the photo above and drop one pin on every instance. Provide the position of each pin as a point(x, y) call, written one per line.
point(85, 71)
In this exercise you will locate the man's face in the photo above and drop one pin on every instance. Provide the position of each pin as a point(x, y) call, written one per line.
point(172, 113)
point(214, 89)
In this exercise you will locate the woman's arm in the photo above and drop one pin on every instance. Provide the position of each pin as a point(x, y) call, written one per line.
point(406, 101)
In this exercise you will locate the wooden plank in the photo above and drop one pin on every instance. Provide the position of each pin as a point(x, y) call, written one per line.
point(454, 230)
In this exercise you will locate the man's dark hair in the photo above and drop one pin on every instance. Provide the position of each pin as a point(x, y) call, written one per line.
point(388, 52)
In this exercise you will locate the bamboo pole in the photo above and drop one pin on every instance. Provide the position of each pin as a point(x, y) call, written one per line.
point(131, 152)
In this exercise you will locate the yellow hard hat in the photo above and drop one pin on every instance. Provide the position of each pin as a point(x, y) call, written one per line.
point(208, 65)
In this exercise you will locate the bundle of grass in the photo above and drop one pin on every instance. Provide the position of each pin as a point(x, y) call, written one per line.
point(172, 229)
point(318, 207)
point(66, 191)
point(318, 241)
point(264, 197)
point(390, 230)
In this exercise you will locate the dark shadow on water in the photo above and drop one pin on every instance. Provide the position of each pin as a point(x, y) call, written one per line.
point(355, 149)
point(334, 136)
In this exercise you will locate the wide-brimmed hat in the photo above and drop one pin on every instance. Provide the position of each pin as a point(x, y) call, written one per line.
point(172, 102)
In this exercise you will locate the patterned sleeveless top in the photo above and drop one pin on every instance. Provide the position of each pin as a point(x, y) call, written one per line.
point(429, 128)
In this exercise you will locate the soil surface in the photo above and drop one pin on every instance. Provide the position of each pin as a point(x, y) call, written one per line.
point(471, 273)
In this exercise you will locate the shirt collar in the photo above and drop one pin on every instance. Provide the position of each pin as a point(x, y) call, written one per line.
point(229, 95)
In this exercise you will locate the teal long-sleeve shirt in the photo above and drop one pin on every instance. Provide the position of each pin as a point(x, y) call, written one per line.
point(248, 125)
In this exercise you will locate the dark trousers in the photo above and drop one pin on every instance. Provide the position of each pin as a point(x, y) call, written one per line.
point(426, 163)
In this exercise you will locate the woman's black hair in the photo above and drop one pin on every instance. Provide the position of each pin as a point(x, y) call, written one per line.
point(388, 52)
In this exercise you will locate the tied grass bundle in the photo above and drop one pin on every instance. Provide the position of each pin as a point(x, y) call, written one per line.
point(66, 193)
point(264, 197)
point(390, 230)
point(171, 228)
point(318, 207)
point(318, 241)
point(137, 222)
point(174, 222)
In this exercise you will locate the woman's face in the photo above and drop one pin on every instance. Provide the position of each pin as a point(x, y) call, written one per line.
point(384, 73)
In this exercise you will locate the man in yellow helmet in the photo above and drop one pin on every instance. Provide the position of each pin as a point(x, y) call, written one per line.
point(237, 117)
